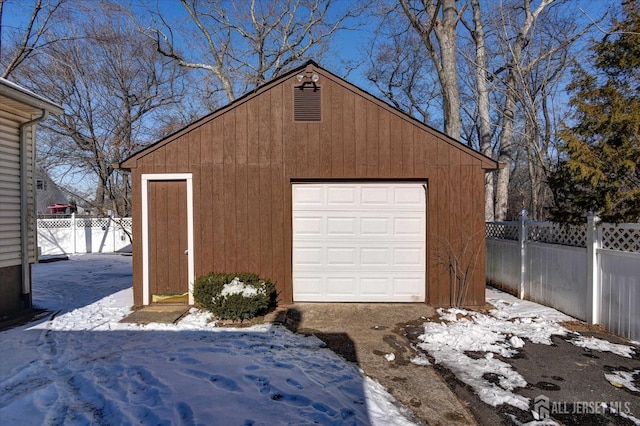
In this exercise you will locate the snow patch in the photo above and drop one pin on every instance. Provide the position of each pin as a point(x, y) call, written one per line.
point(633, 419)
point(600, 345)
point(449, 344)
point(624, 379)
point(82, 366)
point(420, 359)
point(238, 287)
point(467, 343)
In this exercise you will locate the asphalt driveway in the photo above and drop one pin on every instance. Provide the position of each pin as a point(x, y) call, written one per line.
point(368, 334)
point(382, 339)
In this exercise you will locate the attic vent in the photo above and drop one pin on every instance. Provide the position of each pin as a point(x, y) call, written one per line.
point(306, 103)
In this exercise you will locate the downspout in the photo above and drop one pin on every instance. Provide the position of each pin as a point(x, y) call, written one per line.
point(24, 205)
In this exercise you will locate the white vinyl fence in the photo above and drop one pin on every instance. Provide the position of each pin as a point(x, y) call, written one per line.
point(591, 271)
point(83, 235)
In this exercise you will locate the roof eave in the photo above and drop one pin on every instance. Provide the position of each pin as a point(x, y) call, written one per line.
point(25, 96)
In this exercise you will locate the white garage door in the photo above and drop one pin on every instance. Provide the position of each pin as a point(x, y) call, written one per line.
point(359, 242)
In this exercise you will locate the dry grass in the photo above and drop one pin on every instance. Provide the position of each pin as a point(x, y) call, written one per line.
point(583, 327)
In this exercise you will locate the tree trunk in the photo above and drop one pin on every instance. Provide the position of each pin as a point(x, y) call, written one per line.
point(444, 55)
point(446, 35)
point(506, 149)
point(484, 124)
point(511, 93)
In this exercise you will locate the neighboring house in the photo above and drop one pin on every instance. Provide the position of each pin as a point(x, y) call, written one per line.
point(48, 194)
point(316, 184)
point(20, 110)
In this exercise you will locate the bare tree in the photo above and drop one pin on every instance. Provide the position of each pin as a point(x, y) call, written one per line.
point(535, 43)
point(241, 44)
point(480, 68)
point(505, 71)
point(538, 88)
point(26, 41)
point(513, 69)
point(435, 21)
point(395, 67)
point(113, 86)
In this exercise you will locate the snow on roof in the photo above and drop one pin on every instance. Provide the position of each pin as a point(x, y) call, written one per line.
point(13, 90)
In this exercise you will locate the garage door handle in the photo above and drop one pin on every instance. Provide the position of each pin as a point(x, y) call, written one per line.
point(186, 251)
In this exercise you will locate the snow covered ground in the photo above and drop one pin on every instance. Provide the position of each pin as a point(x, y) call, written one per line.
point(467, 343)
point(81, 366)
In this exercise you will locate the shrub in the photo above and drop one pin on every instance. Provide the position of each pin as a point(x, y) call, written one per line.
point(234, 296)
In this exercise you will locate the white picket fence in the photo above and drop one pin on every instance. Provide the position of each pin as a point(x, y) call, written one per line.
point(590, 271)
point(77, 234)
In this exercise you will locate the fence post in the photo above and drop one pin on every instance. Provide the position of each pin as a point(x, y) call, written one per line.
point(73, 232)
point(593, 275)
point(112, 231)
point(522, 238)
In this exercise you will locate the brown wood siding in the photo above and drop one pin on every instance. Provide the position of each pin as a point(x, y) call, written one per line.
point(244, 161)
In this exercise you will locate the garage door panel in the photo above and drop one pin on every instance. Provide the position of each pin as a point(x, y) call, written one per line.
point(409, 196)
point(408, 256)
point(342, 256)
point(375, 256)
point(341, 196)
point(341, 286)
point(374, 226)
point(336, 225)
point(308, 256)
point(359, 242)
point(368, 287)
point(409, 226)
point(310, 288)
point(341, 226)
point(409, 288)
point(308, 196)
point(375, 196)
point(375, 286)
point(312, 225)
point(397, 257)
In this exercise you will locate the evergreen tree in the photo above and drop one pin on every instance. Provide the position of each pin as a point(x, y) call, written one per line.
point(599, 169)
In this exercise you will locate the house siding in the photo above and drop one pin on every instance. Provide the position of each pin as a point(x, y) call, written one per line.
point(12, 298)
point(10, 242)
point(245, 158)
point(17, 106)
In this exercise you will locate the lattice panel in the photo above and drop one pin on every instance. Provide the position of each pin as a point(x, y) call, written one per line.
point(54, 223)
point(502, 231)
point(557, 233)
point(92, 222)
point(621, 237)
point(125, 222)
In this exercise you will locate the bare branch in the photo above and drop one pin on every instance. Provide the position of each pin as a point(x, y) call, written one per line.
point(243, 44)
point(36, 29)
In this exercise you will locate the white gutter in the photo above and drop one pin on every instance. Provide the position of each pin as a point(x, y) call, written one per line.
point(24, 206)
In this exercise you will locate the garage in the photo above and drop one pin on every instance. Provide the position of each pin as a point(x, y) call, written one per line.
point(359, 242)
point(329, 192)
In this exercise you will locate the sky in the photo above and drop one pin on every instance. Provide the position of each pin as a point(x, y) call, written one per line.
point(348, 46)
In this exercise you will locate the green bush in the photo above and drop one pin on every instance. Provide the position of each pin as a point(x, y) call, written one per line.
point(235, 296)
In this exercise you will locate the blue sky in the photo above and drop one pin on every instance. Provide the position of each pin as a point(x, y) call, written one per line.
point(347, 45)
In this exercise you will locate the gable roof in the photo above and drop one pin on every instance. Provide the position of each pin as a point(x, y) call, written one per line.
point(130, 162)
